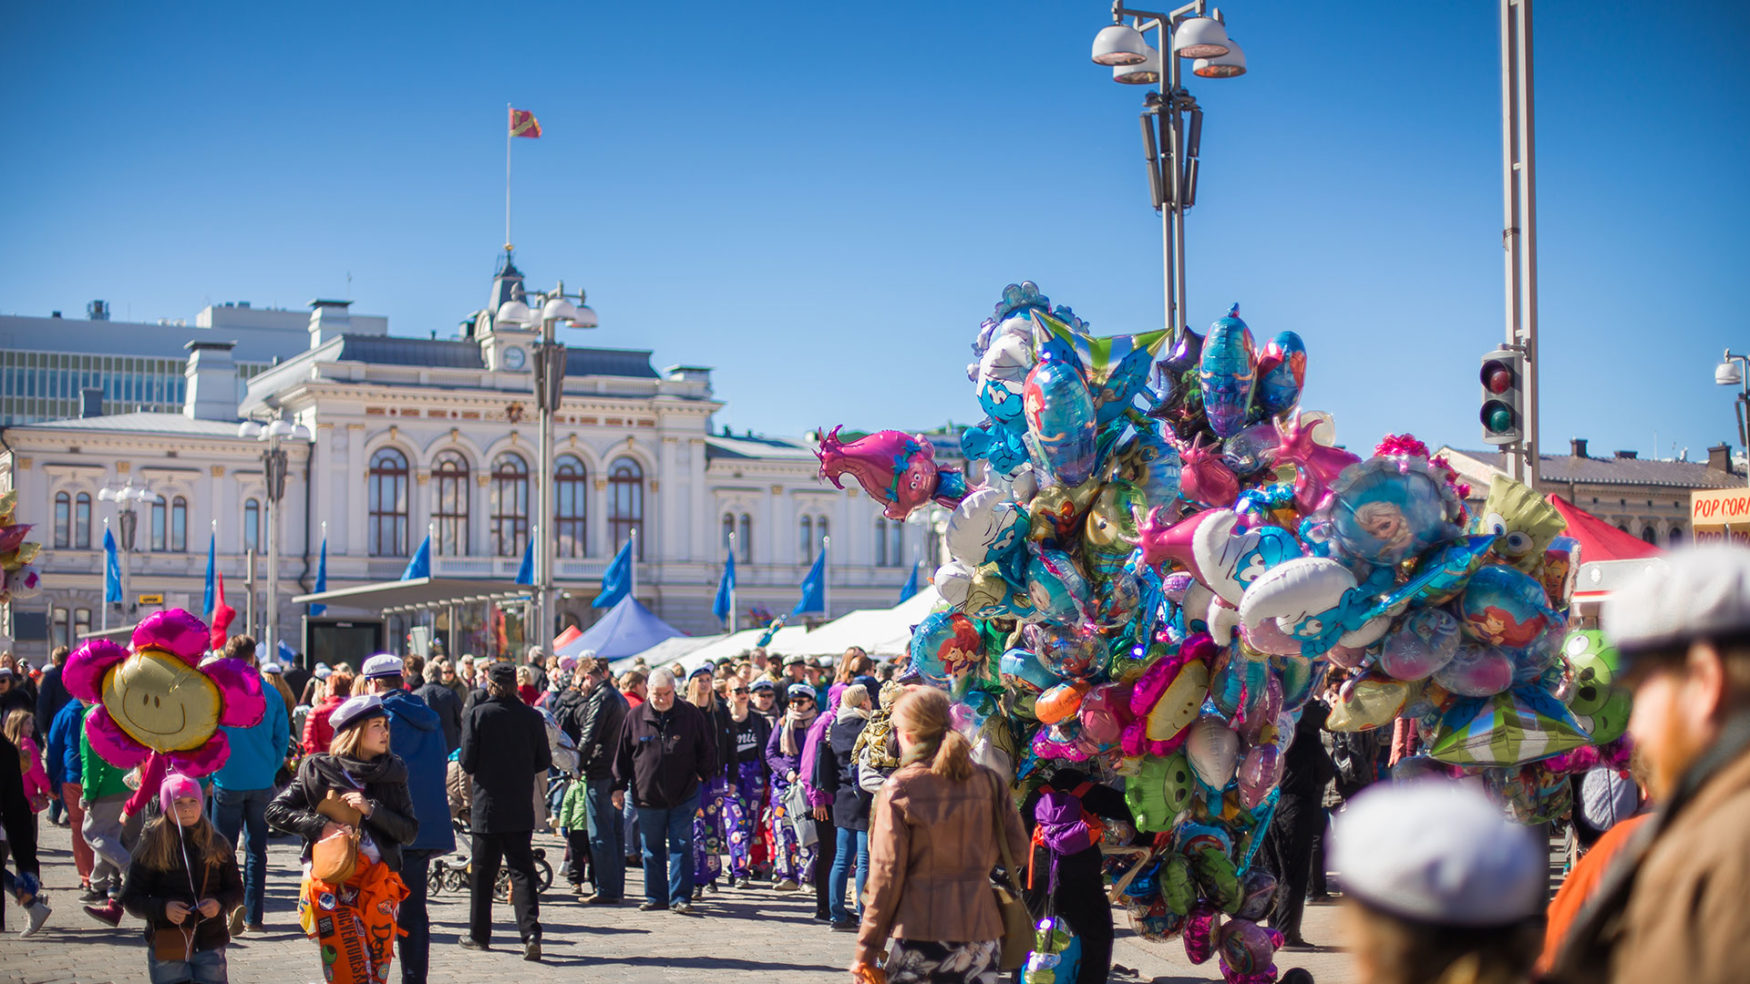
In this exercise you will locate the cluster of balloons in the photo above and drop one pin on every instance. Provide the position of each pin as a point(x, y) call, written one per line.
point(1150, 583)
point(19, 580)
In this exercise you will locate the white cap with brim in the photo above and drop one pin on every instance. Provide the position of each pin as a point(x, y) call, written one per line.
point(1436, 852)
point(356, 709)
point(1698, 592)
point(382, 665)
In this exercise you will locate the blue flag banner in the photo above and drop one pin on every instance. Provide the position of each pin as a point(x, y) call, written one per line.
point(321, 578)
point(112, 571)
point(617, 579)
point(911, 583)
point(420, 565)
point(212, 574)
point(725, 602)
point(288, 655)
point(813, 588)
point(525, 573)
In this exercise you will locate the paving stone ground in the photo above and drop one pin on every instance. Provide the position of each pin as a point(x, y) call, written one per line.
point(755, 935)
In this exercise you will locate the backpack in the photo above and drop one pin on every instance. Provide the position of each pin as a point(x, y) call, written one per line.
point(1065, 825)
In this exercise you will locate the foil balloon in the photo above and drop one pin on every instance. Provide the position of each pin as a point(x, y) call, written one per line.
point(946, 646)
point(1601, 706)
point(1055, 512)
point(1061, 702)
point(1367, 703)
point(1281, 373)
point(1204, 476)
point(1299, 676)
point(1226, 374)
point(1421, 645)
point(1476, 671)
point(1068, 651)
point(1250, 451)
point(1259, 772)
point(894, 468)
point(1116, 368)
point(1386, 510)
point(1160, 791)
point(1059, 415)
point(1104, 712)
point(1213, 750)
point(1440, 576)
point(1257, 894)
point(1020, 670)
point(1524, 523)
point(1246, 949)
point(1153, 465)
point(1317, 465)
point(1057, 589)
point(1110, 533)
point(1164, 702)
point(983, 592)
point(1504, 606)
point(986, 527)
point(1510, 729)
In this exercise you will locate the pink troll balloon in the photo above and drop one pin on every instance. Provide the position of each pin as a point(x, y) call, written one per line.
point(893, 467)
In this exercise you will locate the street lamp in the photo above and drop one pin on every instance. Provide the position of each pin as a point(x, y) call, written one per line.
point(1731, 372)
point(273, 468)
point(126, 499)
point(1172, 122)
point(554, 307)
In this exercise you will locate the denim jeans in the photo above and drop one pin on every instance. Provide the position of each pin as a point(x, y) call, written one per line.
point(415, 948)
point(246, 810)
point(852, 848)
point(668, 850)
point(605, 845)
point(202, 967)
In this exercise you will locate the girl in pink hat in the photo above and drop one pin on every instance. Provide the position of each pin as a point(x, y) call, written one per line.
point(182, 881)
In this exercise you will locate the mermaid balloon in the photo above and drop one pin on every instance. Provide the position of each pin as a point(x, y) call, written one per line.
point(894, 468)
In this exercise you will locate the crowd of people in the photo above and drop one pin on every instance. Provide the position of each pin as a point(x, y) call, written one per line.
point(851, 782)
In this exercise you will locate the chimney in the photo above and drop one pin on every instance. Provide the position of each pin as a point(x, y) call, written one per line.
point(90, 402)
point(97, 311)
point(212, 382)
point(1579, 447)
point(1719, 458)
point(1627, 455)
point(328, 321)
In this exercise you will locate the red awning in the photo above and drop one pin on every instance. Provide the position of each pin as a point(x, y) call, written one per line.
point(1599, 540)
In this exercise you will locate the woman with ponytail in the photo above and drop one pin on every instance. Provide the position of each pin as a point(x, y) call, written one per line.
point(931, 852)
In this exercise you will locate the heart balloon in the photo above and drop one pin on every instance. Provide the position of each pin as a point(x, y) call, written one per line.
point(1213, 750)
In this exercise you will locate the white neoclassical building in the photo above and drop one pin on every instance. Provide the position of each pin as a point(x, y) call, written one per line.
point(410, 436)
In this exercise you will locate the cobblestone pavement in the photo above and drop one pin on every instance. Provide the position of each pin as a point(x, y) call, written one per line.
point(749, 935)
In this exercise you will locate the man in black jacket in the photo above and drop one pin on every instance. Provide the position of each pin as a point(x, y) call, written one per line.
point(665, 751)
point(439, 698)
point(504, 747)
point(1288, 847)
point(599, 716)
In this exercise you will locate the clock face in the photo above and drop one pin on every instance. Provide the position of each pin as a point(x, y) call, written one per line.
point(514, 358)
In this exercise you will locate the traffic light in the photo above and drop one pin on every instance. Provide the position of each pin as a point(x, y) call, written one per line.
point(1503, 411)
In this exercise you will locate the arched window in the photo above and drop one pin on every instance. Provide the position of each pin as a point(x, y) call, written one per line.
point(179, 525)
point(387, 498)
point(571, 506)
point(1649, 535)
point(510, 504)
point(746, 540)
point(160, 524)
point(63, 519)
point(805, 539)
point(880, 542)
point(1675, 536)
point(896, 544)
point(82, 521)
point(252, 525)
point(626, 502)
point(449, 504)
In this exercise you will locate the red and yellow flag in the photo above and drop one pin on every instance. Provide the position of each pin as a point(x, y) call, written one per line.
point(524, 124)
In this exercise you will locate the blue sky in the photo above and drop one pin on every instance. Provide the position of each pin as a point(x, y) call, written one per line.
point(823, 201)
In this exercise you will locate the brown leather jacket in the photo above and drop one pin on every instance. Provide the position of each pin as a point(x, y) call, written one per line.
point(1675, 904)
point(931, 851)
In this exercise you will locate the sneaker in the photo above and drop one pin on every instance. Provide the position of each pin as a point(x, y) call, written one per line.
point(109, 912)
point(650, 906)
point(683, 909)
point(39, 914)
point(784, 886)
point(93, 894)
point(257, 928)
point(847, 926)
point(597, 899)
point(532, 951)
point(743, 882)
point(470, 943)
point(1297, 943)
point(237, 921)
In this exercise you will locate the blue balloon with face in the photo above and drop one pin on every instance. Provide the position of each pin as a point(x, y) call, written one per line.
point(1058, 590)
point(1060, 422)
point(1154, 466)
point(1281, 373)
point(1226, 374)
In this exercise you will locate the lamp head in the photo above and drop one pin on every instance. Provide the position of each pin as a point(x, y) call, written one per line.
point(514, 314)
point(1728, 373)
point(1146, 72)
point(1200, 37)
point(1230, 65)
point(1119, 44)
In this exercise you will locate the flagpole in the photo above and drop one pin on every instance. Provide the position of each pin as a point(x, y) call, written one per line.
point(632, 566)
point(826, 577)
point(732, 584)
point(106, 574)
point(507, 135)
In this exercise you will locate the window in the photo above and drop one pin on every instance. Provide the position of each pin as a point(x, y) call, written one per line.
point(160, 517)
point(896, 544)
point(626, 503)
point(805, 539)
point(510, 504)
point(63, 519)
point(449, 507)
point(571, 506)
point(881, 542)
point(60, 623)
point(81, 624)
point(387, 501)
point(179, 525)
point(1649, 535)
point(746, 542)
point(1676, 536)
point(252, 525)
point(82, 521)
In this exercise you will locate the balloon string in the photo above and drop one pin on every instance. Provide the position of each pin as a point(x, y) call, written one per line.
point(187, 869)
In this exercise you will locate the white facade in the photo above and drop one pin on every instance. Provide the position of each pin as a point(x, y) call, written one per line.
point(411, 435)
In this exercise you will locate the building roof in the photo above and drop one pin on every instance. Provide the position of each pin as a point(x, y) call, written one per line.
point(141, 422)
point(1618, 471)
point(609, 362)
point(749, 446)
point(453, 354)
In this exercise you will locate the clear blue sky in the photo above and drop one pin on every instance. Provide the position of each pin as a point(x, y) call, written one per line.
point(823, 201)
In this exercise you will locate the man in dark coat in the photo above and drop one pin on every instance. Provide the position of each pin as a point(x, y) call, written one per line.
point(665, 752)
point(599, 716)
point(504, 748)
point(1300, 814)
point(443, 701)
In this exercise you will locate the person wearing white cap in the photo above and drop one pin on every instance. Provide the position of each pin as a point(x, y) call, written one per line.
point(1675, 906)
point(1440, 886)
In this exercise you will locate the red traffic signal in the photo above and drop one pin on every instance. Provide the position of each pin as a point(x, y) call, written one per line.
point(1502, 414)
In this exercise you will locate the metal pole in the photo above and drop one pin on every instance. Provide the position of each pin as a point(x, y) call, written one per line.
point(1515, 453)
point(732, 583)
point(249, 599)
point(105, 605)
point(271, 617)
point(1168, 117)
point(1528, 234)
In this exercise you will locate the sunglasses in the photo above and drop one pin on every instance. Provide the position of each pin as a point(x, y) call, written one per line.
point(739, 690)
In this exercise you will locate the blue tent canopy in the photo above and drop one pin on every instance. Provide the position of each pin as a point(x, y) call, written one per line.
point(627, 629)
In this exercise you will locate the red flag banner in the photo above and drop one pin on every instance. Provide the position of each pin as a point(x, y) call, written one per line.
point(524, 124)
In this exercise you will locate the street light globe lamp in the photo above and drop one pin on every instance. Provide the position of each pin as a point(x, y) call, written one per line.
point(1145, 72)
point(1230, 65)
point(1200, 37)
point(514, 313)
point(1728, 374)
point(1120, 44)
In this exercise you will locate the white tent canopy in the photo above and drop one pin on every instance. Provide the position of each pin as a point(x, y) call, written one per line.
point(882, 632)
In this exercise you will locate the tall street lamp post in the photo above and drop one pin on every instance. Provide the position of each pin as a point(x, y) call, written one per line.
point(550, 308)
point(127, 517)
point(1732, 372)
point(273, 469)
point(1172, 122)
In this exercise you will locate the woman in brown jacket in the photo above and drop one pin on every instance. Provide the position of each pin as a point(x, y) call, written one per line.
point(931, 851)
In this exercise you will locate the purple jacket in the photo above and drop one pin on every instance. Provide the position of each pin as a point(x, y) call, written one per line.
point(811, 750)
point(782, 765)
